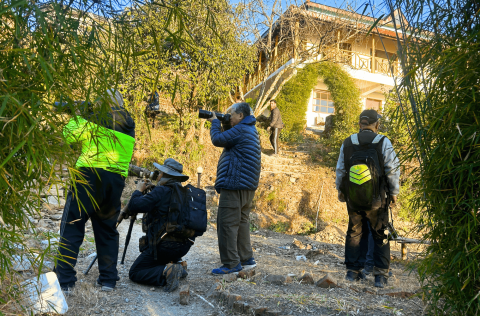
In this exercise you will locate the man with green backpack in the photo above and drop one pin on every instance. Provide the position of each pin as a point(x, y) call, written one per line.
point(367, 180)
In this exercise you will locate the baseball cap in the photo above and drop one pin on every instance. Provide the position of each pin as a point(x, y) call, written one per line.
point(370, 115)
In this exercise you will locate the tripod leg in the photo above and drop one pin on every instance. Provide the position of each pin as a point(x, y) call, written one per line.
point(90, 265)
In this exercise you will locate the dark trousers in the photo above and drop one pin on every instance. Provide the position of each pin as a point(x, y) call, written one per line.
point(147, 270)
point(105, 188)
point(356, 244)
point(233, 228)
point(371, 246)
point(274, 134)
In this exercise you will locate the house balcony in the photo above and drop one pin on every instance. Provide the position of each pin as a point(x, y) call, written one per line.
point(359, 61)
point(353, 59)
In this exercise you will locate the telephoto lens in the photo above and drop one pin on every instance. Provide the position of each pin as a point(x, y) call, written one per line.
point(224, 118)
point(135, 171)
point(203, 114)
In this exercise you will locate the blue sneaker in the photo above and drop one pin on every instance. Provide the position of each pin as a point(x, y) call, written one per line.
point(249, 264)
point(225, 270)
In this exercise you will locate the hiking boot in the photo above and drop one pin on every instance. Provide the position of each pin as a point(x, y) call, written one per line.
point(173, 273)
point(353, 276)
point(380, 281)
point(225, 270)
point(368, 270)
point(104, 287)
point(249, 264)
point(184, 273)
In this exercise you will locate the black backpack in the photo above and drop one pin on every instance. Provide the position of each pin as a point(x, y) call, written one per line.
point(186, 218)
point(364, 182)
point(187, 214)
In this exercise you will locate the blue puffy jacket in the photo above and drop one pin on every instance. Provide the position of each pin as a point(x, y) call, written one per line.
point(239, 165)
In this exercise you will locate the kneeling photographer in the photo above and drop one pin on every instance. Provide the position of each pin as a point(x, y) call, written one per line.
point(157, 264)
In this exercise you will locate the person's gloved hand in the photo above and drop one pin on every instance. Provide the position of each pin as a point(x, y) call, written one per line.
point(123, 215)
point(341, 197)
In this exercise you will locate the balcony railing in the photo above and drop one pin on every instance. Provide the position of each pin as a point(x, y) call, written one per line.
point(359, 61)
point(356, 60)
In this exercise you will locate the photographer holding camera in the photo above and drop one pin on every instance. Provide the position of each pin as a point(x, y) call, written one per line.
point(107, 148)
point(154, 265)
point(238, 173)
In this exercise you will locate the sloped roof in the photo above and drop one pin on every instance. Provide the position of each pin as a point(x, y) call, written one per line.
point(384, 27)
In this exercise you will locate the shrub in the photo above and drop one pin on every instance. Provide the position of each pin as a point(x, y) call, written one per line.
point(346, 97)
point(279, 227)
point(293, 101)
point(442, 87)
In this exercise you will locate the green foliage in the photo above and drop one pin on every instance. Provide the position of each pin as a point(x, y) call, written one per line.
point(195, 73)
point(164, 142)
point(270, 196)
point(395, 127)
point(51, 52)
point(346, 97)
point(441, 83)
point(307, 229)
point(293, 101)
point(279, 227)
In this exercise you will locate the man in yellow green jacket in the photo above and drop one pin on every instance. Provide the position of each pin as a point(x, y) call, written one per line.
point(107, 148)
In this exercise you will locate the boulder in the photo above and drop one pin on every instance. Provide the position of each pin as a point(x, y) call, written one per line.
point(232, 298)
point(307, 278)
point(327, 282)
point(278, 279)
point(185, 294)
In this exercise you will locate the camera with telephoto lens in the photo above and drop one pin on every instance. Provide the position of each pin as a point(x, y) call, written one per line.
point(224, 118)
point(134, 171)
point(69, 108)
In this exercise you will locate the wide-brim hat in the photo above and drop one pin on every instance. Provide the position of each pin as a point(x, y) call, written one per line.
point(172, 168)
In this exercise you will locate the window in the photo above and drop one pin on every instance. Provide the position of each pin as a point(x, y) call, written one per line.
point(373, 104)
point(322, 102)
point(384, 55)
point(345, 46)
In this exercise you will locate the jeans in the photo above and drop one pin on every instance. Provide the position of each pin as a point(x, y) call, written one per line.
point(147, 270)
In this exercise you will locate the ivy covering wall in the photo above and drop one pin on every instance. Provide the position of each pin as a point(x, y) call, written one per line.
point(295, 95)
point(293, 101)
point(346, 97)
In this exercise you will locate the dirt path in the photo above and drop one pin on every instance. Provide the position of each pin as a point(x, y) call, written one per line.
point(290, 299)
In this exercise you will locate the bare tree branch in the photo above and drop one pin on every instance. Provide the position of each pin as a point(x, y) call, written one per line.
point(297, 36)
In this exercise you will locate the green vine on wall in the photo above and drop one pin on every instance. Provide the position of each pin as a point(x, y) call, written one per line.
point(293, 101)
point(346, 98)
point(295, 95)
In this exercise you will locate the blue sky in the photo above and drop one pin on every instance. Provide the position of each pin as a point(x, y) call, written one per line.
point(379, 5)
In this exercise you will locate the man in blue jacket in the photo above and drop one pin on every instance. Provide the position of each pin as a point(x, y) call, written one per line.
point(238, 173)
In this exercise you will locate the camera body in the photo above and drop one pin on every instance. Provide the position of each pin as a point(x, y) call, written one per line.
point(224, 118)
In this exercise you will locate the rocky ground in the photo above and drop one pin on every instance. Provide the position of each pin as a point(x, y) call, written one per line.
point(293, 191)
point(276, 285)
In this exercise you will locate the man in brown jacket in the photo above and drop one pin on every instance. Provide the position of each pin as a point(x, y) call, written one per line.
point(276, 125)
